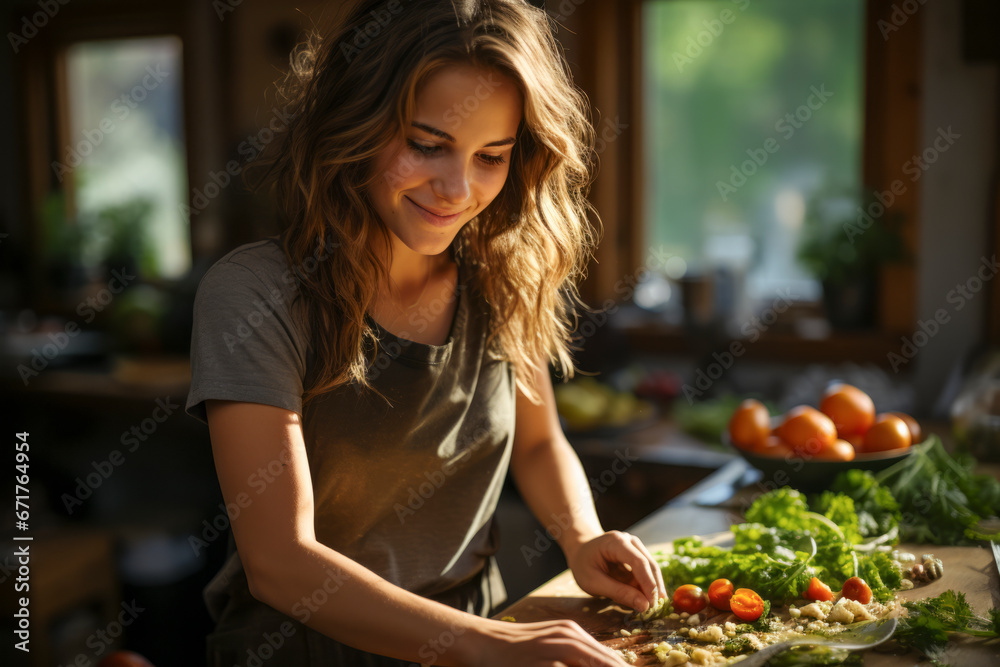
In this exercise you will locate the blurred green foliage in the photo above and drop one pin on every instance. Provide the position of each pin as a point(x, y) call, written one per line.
point(702, 115)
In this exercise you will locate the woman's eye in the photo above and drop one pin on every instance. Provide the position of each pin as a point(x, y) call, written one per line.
point(421, 148)
point(493, 160)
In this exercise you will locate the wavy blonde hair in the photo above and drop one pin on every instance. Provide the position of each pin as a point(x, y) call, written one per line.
point(353, 94)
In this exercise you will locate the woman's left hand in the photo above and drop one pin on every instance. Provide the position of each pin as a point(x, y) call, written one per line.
point(618, 566)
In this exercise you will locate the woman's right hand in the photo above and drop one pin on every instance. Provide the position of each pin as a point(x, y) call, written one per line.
point(549, 643)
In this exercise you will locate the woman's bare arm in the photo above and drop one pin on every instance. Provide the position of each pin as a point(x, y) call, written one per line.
point(549, 475)
point(261, 461)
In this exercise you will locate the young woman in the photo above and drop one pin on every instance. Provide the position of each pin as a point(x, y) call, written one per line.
point(369, 377)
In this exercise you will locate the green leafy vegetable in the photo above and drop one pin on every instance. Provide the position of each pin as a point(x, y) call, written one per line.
point(777, 551)
point(876, 507)
point(882, 575)
point(840, 509)
point(941, 500)
point(737, 645)
point(781, 508)
point(930, 621)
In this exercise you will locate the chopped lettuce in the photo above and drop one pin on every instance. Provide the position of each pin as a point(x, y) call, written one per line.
point(876, 508)
point(782, 545)
point(881, 573)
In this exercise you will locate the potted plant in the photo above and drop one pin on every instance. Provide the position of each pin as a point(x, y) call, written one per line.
point(846, 239)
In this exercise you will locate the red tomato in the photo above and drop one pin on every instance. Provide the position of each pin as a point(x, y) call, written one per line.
point(855, 588)
point(818, 591)
point(807, 430)
point(689, 598)
point(774, 447)
point(916, 435)
point(719, 594)
point(840, 450)
point(750, 425)
point(746, 604)
point(888, 433)
point(851, 409)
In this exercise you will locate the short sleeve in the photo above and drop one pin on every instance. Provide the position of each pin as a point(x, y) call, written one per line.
point(246, 345)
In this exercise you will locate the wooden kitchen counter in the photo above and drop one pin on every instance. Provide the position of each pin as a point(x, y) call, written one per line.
point(970, 570)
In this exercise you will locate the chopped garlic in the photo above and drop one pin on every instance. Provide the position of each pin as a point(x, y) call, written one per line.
point(625, 633)
point(702, 657)
point(694, 620)
point(840, 613)
point(673, 658)
point(815, 610)
point(710, 635)
point(614, 607)
point(795, 612)
point(860, 612)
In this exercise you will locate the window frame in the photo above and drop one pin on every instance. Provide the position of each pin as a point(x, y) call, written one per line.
point(603, 44)
point(44, 111)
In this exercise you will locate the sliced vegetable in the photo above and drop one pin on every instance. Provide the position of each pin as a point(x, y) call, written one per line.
point(857, 589)
point(747, 605)
point(818, 591)
point(719, 594)
point(690, 598)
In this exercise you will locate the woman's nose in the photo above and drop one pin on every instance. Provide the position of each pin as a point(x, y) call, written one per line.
point(451, 184)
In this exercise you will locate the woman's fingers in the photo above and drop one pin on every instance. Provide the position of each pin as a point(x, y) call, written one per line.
point(575, 646)
point(560, 642)
point(652, 562)
point(637, 559)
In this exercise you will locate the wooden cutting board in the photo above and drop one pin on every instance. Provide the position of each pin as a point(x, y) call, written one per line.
point(970, 570)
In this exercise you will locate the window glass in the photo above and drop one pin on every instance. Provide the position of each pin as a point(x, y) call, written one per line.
point(126, 160)
point(750, 109)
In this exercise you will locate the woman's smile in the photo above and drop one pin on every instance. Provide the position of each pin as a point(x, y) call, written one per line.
point(436, 217)
point(445, 170)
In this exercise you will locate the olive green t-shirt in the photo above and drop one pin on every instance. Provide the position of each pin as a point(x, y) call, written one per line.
point(408, 487)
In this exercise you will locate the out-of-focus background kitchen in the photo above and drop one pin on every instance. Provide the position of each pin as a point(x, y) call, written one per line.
point(791, 192)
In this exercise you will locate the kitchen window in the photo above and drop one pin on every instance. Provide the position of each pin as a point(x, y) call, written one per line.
point(684, 124)
point(122, 166)
point(750, 109)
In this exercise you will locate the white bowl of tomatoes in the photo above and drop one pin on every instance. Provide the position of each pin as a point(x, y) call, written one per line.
point(807, 446)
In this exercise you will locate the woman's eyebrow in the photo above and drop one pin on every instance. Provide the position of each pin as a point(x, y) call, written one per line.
point(444, 135)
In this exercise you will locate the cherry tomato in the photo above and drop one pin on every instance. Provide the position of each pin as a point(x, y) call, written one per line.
point(774, 447)
point(818, 591)
point(888, 433)
point(840, 450)
point(746, 604)
point(690, 598)
point(750, 425)
point(807, 430)
point(916, 435)
point(719, 594)
point(855, 588)
point(851, 409)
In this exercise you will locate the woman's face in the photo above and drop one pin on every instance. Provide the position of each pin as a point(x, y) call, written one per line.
point(453, 159)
